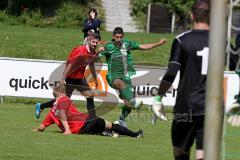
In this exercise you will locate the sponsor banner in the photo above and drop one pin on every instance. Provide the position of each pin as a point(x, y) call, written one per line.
point(36, 78)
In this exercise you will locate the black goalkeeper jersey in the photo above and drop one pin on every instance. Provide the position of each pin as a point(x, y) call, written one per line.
point(190, 50)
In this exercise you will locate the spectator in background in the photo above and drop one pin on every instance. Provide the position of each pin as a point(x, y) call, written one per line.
point(92, 23)
point(237, 42)
point(234, 112)
point(234, 57)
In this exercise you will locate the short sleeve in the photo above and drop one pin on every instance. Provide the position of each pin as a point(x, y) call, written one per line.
point(64, 103)
point(133, 45)
point(107, 49)
point(176, 52)
point(71, 58)
point(103, 53)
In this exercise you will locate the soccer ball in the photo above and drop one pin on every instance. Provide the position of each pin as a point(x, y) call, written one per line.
point(115, 135)
point(121, 123)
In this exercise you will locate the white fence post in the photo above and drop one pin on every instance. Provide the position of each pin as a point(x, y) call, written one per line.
point(2, 99)
point(173, 22)
point(148, 18)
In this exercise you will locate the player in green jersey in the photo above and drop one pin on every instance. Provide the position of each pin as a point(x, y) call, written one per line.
point(120, 67)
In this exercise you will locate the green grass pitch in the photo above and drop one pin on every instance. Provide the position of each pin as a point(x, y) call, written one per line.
point(17, 142)
point(55, 44)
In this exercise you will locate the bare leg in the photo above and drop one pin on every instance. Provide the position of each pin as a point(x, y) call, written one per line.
point(199, 154)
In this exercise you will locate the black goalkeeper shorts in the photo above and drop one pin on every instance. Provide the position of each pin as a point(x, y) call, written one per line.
point(184, 133)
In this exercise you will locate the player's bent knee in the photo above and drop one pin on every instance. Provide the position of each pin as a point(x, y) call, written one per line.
point(118, 84)
point(179, 152)
point(87, 94)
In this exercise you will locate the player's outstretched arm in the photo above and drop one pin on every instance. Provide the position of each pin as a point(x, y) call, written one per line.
point(94, 74)
point(152, 45)
point(67, 71)
point(41, 128)
point(63, 118)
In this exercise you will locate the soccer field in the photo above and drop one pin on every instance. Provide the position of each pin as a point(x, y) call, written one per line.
point(18, 142)
point(55, 43)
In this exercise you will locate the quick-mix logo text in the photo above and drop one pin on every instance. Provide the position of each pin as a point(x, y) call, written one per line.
point(149, 91)
point(30, 83)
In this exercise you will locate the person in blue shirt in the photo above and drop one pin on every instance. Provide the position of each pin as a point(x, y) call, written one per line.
point(92, 23)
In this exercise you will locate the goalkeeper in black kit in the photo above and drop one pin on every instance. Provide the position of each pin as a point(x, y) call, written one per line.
point(189, 55)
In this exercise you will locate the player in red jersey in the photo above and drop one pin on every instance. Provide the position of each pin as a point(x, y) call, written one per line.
point(65, 115)
point(73, 75)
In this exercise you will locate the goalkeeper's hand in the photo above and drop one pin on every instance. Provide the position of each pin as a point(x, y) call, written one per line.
point(158, 108)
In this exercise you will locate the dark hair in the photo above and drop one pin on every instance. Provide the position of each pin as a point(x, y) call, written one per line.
point(92, 9)
point(95, 36)
point(201, 11)
point(118, 30)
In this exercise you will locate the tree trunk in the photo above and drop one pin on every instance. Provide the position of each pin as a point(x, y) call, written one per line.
point(14, 7)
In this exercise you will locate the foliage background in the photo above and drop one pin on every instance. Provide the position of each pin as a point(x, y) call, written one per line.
point(71, 13)
point(44, 13)
point(182, 9)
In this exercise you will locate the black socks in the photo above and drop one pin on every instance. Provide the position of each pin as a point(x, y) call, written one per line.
point(123, 131)
point(90, 107)
point(48, 104)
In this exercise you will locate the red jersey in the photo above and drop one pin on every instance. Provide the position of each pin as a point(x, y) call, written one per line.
point(80, 57)
point(75, 118)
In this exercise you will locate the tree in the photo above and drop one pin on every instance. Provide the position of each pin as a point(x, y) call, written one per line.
point(14, 7)
point(180, 7)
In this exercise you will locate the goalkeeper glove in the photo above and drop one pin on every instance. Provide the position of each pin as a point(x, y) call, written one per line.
point(158, 108)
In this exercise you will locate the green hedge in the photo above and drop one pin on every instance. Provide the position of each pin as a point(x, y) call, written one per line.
point(67, 14)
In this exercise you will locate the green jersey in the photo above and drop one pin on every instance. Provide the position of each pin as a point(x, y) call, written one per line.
point(119, 59)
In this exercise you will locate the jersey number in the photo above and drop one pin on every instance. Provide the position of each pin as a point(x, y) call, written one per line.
point(204, 54)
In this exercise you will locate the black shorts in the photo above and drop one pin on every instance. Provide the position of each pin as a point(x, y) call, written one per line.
point(184, 133)
point(80, 85)
point(93, 126)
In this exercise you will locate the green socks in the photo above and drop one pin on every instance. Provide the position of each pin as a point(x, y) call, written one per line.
point(126, 93)
point(158, 98)
point(125, 112)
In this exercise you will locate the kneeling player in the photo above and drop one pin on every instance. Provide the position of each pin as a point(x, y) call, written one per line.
point(66, 116)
